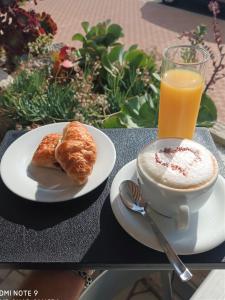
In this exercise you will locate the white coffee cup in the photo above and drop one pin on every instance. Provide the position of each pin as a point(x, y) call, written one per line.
point(180, 201)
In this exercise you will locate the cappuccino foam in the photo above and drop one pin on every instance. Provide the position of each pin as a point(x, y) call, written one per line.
point(178, 163)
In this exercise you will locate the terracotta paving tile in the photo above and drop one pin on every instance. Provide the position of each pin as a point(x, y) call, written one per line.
point(146, 23)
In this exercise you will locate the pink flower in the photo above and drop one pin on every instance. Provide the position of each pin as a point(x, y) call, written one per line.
point(67, 64)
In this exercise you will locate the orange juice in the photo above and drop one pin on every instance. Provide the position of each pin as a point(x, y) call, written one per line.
point(180, 96)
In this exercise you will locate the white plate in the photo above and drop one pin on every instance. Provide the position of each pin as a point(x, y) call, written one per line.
point(207, 227)
point(50, 185)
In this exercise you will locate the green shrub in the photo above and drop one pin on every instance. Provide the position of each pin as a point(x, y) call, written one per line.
point(95, 42)
point(97, 39)
point(118, 73)
point(101, 83)
point(128, 74)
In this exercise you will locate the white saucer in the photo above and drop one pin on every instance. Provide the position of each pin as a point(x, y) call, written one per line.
point(51, 185)
point(207, 227)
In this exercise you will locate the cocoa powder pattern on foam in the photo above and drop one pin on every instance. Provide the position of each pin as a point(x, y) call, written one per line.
point(175, 167)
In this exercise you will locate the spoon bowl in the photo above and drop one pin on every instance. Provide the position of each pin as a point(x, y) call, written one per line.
point(130, 197)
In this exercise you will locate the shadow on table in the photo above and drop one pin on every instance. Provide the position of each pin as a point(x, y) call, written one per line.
point(40, 216)
point(113, 247)
point(176, 19)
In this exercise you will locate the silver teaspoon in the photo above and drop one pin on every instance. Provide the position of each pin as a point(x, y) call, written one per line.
point(131, 197)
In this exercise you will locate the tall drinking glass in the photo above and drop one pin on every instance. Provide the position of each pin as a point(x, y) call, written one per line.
point(182, 84)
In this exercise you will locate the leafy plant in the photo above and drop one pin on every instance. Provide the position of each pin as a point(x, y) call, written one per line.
point(118, 73)
point(20, 27)
point(128, 73)
point(130, 81)
point(97, 38)
point(96, 41)
point(196, 37)
point(207, 113)
point(139, 111)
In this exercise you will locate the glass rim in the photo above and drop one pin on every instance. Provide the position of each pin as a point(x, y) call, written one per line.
point(206, 54)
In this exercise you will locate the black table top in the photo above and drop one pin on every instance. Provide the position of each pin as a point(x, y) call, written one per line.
point(84, 232)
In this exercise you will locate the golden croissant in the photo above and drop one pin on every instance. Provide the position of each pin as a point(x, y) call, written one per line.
point(76, 153)
point(44, 156)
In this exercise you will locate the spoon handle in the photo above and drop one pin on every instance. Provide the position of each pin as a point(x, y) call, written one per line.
point(182, 271)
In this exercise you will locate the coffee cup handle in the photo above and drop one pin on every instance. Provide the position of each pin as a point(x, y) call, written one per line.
point(182, 217)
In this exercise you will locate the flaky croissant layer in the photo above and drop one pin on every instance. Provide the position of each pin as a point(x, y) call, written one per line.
point(77, 152)
point(44, 156)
